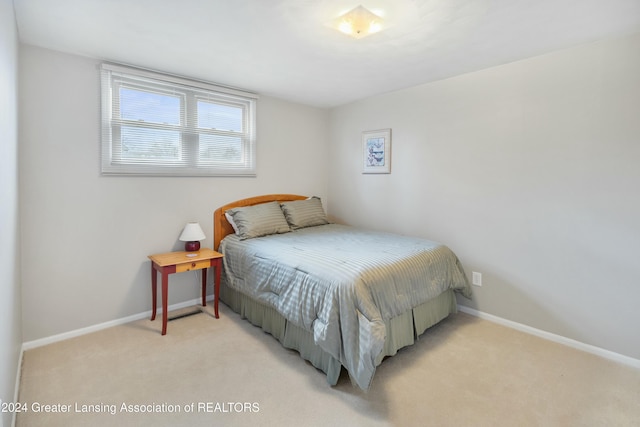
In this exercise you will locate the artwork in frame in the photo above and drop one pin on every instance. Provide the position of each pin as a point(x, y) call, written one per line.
point(376, 149)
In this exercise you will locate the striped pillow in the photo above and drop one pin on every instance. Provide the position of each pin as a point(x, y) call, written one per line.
point(259, 220)
point(304, 213)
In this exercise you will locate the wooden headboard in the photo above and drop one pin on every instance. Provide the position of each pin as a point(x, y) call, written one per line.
point(221, 226)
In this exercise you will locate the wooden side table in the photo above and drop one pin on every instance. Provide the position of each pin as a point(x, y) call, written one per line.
point(177, 262)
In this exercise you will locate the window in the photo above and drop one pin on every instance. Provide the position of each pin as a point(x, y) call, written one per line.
point(154, 124)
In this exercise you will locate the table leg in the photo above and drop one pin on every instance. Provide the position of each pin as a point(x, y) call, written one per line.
point(216, 286)
point(165, 289)
point(154, 291)
point(204, 287)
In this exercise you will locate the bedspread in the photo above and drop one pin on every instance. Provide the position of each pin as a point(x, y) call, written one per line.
point(341, 283)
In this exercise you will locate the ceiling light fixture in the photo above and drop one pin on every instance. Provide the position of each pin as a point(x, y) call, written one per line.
point(359, 22)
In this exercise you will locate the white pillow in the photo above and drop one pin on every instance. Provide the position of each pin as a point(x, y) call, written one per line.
point(231, 221)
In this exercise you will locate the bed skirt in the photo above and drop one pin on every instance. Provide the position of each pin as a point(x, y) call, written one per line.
point(402, 330)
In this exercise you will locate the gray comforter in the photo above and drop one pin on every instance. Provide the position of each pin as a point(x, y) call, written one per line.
point(341, 283)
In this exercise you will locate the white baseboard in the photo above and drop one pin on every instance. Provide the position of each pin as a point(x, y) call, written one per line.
point(83, 331)
point(616, 357)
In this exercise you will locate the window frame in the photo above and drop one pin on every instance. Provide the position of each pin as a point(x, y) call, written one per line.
point(190, 92)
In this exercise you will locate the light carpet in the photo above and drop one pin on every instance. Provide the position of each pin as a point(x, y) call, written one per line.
point(225, 372)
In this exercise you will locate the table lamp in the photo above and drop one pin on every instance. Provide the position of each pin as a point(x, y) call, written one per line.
point(192, 234)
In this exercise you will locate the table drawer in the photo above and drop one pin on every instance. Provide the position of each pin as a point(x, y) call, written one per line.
point(195, 265)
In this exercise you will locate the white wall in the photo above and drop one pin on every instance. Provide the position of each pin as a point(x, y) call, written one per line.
point(529, 172)
point(86, 237)
point(10, 305)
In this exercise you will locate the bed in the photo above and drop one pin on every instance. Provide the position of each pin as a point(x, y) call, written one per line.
point(343, 297)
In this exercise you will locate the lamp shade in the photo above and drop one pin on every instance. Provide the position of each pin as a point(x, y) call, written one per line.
point(192, 234)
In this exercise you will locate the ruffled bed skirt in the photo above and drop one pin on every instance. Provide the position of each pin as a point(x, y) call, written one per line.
point(402, 330)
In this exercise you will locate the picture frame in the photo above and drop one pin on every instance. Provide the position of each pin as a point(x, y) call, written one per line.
point(376, 151)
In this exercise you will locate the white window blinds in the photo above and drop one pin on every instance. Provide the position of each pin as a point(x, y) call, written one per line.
point(155, 124)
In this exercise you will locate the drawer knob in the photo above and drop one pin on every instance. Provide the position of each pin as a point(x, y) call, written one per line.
point(193, 264)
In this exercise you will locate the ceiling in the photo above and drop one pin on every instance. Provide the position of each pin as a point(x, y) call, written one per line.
point(286, 49)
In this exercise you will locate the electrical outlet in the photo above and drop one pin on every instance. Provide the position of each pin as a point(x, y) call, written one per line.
point(476, 278)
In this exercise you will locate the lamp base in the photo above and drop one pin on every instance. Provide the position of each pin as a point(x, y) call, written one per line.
point(192, 246)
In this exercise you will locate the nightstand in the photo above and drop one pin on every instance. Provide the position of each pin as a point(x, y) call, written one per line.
point(177, 262)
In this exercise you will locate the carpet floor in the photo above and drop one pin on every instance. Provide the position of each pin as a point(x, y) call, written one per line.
point(464, 371)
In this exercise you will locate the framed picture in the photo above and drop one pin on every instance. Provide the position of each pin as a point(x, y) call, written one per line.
point(376, 150)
